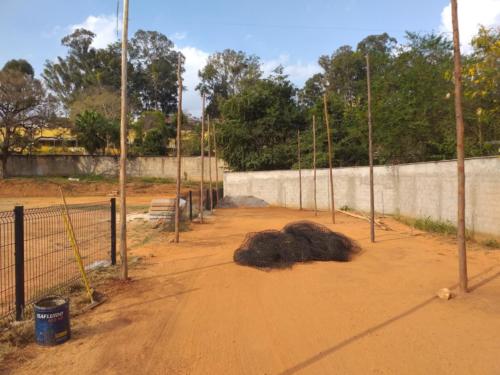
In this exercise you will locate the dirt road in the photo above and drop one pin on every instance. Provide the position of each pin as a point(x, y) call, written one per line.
point(193, 311)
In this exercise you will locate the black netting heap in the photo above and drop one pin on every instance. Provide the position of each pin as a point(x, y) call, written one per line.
point(302, 241)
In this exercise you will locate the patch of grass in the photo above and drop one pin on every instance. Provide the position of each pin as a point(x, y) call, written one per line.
point(16, 335)
point(154, 180)
point(432, 226)
point(346, 208)
point(491, 243)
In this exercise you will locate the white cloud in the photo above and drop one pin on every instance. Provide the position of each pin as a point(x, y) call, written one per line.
point(179, 35)
point(196, 59)
point(471, 14)
point(103, 26)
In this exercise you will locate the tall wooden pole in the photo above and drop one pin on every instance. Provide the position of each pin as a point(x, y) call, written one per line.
point(314, 166)
point(300, 170)
point(462, 255)
point(202, 147)
point(178, 147)
point(123, 148)
point(327, 122)
point(370, 150)
point(216, 164)
point(210, 166)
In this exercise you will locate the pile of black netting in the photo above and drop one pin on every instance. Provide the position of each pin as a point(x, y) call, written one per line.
point(302, 241)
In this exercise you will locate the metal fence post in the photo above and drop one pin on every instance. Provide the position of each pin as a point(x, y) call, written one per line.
point(207, 199)
point(190, 205)
point(19, 260)
point(113, 231)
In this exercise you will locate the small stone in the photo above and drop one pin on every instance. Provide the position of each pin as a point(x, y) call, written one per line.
point(444, 294)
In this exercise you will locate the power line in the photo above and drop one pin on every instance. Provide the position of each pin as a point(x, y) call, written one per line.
point(311, 27)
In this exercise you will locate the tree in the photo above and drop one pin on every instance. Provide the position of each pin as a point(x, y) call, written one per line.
point(152, 133)
point(226, 74)
point(412, 112)
point(24, 109)
point(77, 71)
point(99, 99)
point(151, 69)
point(382, 44)
point(96, 133)
point(343, 73)
point(20, 65)
point(482, 93)
point(260, 126)
point(154, 78)
point(313, 90)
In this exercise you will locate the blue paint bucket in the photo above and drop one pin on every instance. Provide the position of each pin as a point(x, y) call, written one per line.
point(52, 321)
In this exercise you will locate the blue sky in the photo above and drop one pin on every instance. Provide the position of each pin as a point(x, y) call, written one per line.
point(294, 32)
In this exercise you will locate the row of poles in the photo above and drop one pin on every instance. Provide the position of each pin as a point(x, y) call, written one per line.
point(211, 137)
point(459, 134)
point(210, 132)
point(330, 158)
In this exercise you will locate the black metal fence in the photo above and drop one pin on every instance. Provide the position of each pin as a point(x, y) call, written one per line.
point(193, 200)
point(36, 257)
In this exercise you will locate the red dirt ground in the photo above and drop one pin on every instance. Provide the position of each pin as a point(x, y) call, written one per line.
point(32, 192)
point(193, 311)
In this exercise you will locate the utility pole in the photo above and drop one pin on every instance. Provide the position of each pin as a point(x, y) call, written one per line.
point(314, 165)
point(216, 164)
point(210, 167)
point(123, 148)
point(327, 122)
point(370, 150)
point(178, 147)
point(300, 170)
point(202, 144)
point(462, 255)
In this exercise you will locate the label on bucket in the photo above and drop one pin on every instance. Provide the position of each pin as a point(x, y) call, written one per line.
point(51, 316)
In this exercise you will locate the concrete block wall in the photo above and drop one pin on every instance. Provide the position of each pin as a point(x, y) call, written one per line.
point(414, 190)
point(77, 165)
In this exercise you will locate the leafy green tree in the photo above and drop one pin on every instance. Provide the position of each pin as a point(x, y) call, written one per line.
point(259, 127)
point(77, 71)
point(99, 99)
point(155, 67)
point(96, 133)
point(20, 65)
point(154, 143)
point(191, 142)
point(24, 110)
point(413, 113)
point(343, 73)
point(381, 44)
point(226, 74)
point(482, 93)
point(312, 91)
point(152, 134)
point(151, 70)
